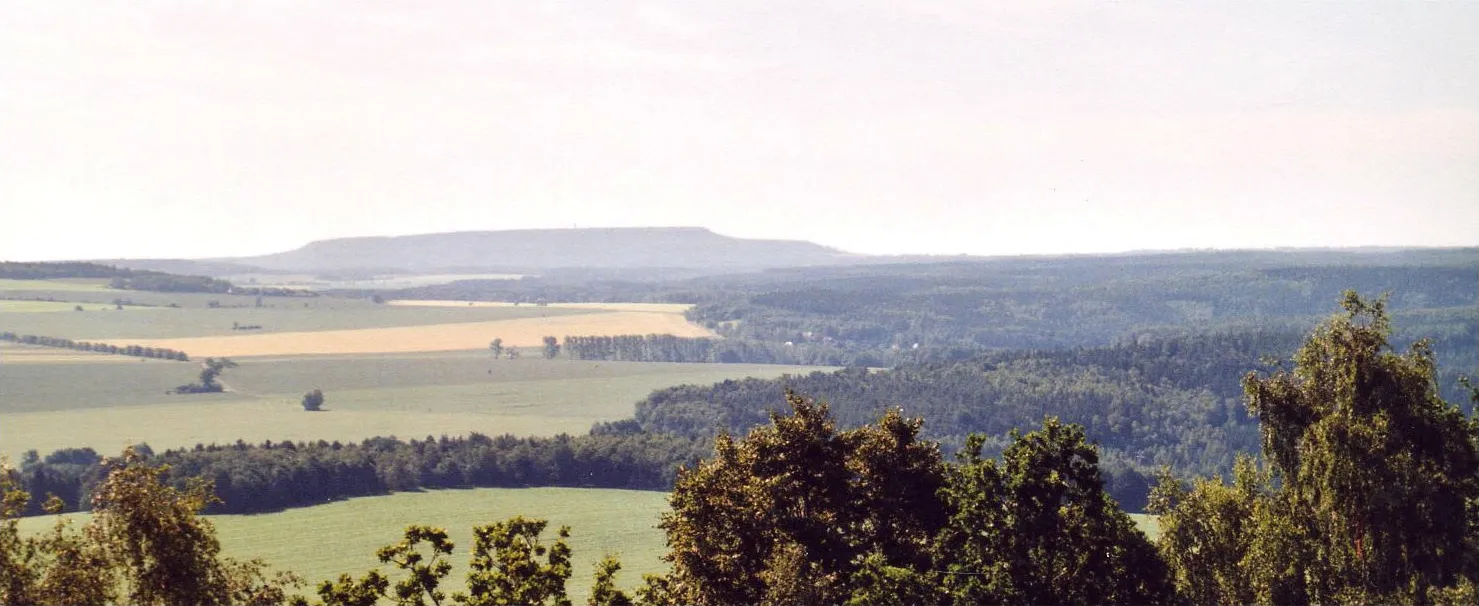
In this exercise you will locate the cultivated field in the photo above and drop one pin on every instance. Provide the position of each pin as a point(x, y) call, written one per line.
point(276, 317)
point(310, 282)
point(107, 406)
point(667, 308)
point(321, 542)
point(520, 332)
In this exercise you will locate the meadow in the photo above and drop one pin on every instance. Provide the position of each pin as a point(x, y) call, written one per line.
point(322, 541)
point(110, 405)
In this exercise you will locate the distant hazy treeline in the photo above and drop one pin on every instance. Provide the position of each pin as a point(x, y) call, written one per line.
point(123, 278)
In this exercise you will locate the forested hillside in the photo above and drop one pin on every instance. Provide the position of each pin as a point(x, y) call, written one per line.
point(1172, 399)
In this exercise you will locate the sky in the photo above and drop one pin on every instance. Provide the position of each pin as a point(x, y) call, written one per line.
point(208, 129)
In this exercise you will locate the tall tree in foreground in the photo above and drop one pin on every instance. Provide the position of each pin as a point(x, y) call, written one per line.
point(145, 545)
point(1372, 485)
point(799, 513)
point(1038, 528)
point(787, 514)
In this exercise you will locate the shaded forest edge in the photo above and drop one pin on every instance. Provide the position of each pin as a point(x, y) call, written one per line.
point(1366, 492)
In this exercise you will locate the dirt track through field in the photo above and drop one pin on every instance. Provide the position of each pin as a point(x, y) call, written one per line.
point(521, 332)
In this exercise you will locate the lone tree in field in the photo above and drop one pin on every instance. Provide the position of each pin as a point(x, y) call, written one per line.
point(313, 401)
point(496, 347)
point(551, 348)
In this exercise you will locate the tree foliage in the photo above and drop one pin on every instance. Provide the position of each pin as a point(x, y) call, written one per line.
point(604, 591)
point(1372, 486)
point(1038, 528)
point(799, 512)
point(146, 544)
point(511, 566)
point(799, 502)
point(313, 401)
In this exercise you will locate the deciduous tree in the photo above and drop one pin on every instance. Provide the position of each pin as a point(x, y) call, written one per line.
point(1038, 528)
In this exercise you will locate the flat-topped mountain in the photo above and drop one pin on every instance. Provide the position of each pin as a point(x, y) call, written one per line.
point(541, 249)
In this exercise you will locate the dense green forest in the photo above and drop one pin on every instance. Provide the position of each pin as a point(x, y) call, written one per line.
point(1367, 492)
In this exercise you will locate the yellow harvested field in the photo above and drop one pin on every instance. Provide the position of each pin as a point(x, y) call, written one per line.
point(665, 308)
point(521, 332)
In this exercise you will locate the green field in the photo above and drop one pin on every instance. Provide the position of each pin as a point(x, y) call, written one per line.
point(321, 542)
point(107, 406)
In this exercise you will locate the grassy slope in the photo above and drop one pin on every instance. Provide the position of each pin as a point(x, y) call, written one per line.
point(321, 542)
point(106, 406)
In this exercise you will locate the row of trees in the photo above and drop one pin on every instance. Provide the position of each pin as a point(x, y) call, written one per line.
point(163, 353)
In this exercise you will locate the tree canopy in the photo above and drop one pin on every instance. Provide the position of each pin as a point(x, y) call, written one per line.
point(1370, 490)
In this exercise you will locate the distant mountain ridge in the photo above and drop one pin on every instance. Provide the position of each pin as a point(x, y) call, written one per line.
point(543, 249)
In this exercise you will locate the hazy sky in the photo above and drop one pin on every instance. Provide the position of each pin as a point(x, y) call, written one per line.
point(186, 129)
